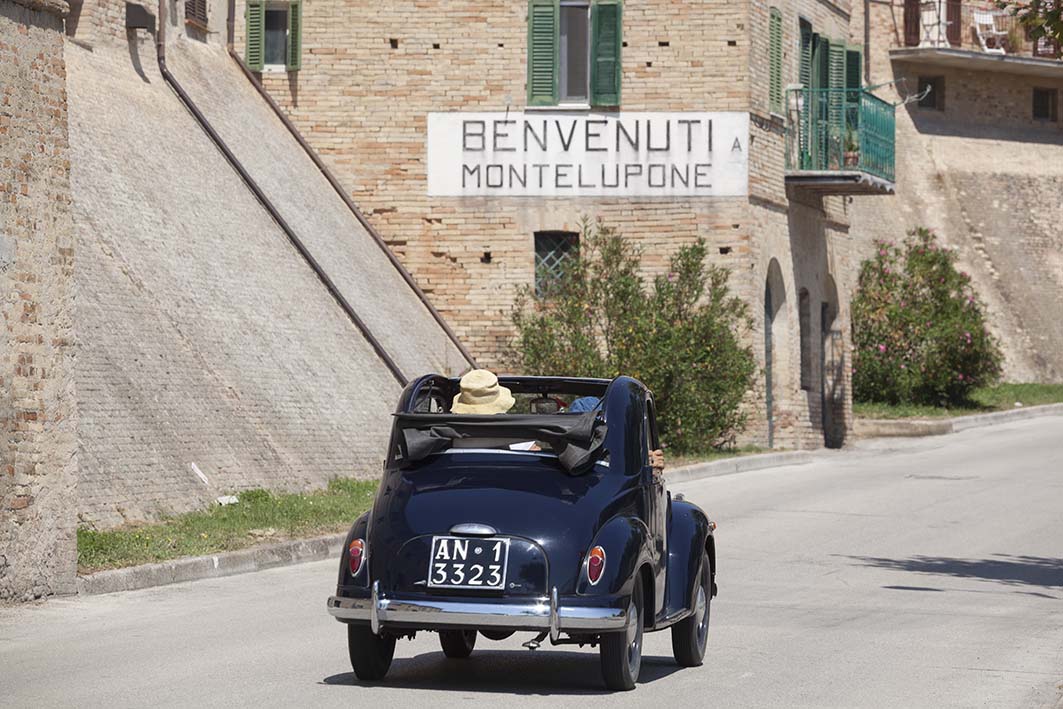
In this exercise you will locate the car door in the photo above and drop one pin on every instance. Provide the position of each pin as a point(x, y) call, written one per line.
point(656, 505)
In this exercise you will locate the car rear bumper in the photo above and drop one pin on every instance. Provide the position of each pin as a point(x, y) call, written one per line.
point(553, 614)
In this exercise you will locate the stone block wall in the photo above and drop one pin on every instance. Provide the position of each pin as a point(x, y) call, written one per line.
point(38, 453)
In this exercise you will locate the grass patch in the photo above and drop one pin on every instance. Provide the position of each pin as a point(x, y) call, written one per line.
point(260, 516)
point(1001, 397)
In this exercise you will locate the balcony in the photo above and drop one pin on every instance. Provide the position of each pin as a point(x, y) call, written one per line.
point(839, 141)
point(973, 36)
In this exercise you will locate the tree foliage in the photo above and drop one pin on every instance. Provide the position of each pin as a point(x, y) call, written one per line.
point(1041, 18)
point(919, 331)
point(680, 335)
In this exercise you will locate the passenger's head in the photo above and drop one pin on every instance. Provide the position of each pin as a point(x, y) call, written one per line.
point(482, 394)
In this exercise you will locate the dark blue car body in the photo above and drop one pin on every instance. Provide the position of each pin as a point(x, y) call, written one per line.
point(655, 548)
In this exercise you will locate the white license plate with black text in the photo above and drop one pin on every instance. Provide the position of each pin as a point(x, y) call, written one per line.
point(468, 562)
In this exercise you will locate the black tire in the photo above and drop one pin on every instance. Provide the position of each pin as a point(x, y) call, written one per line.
point(621, 652)
point(370, 654)
point(690, 635)
point(457, 644)
point(496, 634)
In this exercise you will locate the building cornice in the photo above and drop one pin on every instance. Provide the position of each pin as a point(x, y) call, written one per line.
point(52, 7)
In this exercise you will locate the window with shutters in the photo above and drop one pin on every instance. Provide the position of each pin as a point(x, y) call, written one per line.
point(775, 62)
point(574, 52)
point(553, 251)
point(274, 35)
point(196, 12)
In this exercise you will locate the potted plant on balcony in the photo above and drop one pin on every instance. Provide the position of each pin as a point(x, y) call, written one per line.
point(852, 148)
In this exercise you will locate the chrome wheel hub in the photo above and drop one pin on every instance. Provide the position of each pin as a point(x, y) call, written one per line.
point(701, 612)
point(634, 640)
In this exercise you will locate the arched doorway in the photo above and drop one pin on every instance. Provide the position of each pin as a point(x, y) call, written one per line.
point(832, 368)
point(774, 299)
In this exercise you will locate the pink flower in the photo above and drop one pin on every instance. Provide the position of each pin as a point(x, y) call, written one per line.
point(960, 376)
point(882, 252)
point(881, 348)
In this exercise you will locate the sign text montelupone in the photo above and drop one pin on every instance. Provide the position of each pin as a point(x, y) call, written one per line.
point(605, 155)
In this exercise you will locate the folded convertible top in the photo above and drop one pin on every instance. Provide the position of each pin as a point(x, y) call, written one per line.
point(575, 438)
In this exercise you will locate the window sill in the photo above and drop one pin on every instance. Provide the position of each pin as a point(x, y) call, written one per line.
point(274, 69)
point(572, 108)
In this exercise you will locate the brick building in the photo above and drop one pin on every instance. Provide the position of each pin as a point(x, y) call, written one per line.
point(179, 323)
point(979, 159)
point(38, 454)
point(436, 115)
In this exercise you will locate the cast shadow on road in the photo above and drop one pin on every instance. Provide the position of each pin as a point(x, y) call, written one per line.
point(1008, 569)
point(507, 671)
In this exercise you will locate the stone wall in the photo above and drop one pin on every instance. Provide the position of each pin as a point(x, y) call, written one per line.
point(38, 460)
point(986, 177)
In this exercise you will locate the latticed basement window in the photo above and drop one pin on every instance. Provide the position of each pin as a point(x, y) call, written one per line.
point(553, 251)
point(196, 12)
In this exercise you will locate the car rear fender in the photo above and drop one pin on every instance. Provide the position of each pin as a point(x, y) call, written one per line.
point(626, 542)
point(359, 530)
point(689, 538)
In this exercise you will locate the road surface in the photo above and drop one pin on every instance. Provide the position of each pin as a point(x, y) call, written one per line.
point(904, 573)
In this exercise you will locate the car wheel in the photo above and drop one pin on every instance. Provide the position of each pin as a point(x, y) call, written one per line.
point(457, 644)
point(370, 653)
point(690, 634)
point(622, 652)
point(496, 634)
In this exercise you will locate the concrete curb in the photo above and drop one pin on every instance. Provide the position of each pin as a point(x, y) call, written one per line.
point(738, 464)
point(884, 428)
point(203, 567)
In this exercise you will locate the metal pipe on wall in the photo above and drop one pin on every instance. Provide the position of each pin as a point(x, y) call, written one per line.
point(160, 50)
point(323, 168)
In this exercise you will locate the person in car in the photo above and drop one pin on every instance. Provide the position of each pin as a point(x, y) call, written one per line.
point(482, 394)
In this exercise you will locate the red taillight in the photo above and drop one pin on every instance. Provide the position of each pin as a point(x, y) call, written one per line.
point(356, 556)
point(595, 565)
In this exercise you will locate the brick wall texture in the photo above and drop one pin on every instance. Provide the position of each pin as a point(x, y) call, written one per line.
point(986, 176)
point(372, 73)
point(38, 452)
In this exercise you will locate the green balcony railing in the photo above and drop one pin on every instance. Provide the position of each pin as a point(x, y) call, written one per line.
point(831, 130)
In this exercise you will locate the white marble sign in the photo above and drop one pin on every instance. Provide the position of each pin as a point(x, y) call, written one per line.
point(553, 154)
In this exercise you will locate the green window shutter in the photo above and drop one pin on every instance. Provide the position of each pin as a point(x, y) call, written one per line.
point(255, 48)
point(775, 58)
point(295, 35)
point(854, 65)
point(543, 19)
point(804, 74)
point(836, 100)
point(606, 29)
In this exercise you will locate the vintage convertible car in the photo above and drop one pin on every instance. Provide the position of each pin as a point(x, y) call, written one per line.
point(535, 520)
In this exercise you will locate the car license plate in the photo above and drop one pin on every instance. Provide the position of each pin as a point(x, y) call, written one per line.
point(468, 562)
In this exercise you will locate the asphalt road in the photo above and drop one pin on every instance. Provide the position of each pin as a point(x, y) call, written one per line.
point(925, 573)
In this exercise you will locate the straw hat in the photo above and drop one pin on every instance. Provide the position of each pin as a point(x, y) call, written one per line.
point(481, 394)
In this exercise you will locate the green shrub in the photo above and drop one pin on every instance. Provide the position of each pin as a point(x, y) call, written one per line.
point(919, 330)
point(681, 336)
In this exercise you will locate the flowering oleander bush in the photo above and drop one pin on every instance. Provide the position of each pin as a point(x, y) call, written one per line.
point(680, 335)
point(919, 330)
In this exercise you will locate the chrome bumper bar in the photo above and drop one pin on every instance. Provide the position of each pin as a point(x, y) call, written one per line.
point(540, 614)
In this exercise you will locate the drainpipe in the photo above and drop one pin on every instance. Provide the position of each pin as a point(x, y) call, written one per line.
point(323, 168)
point(160, 48)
